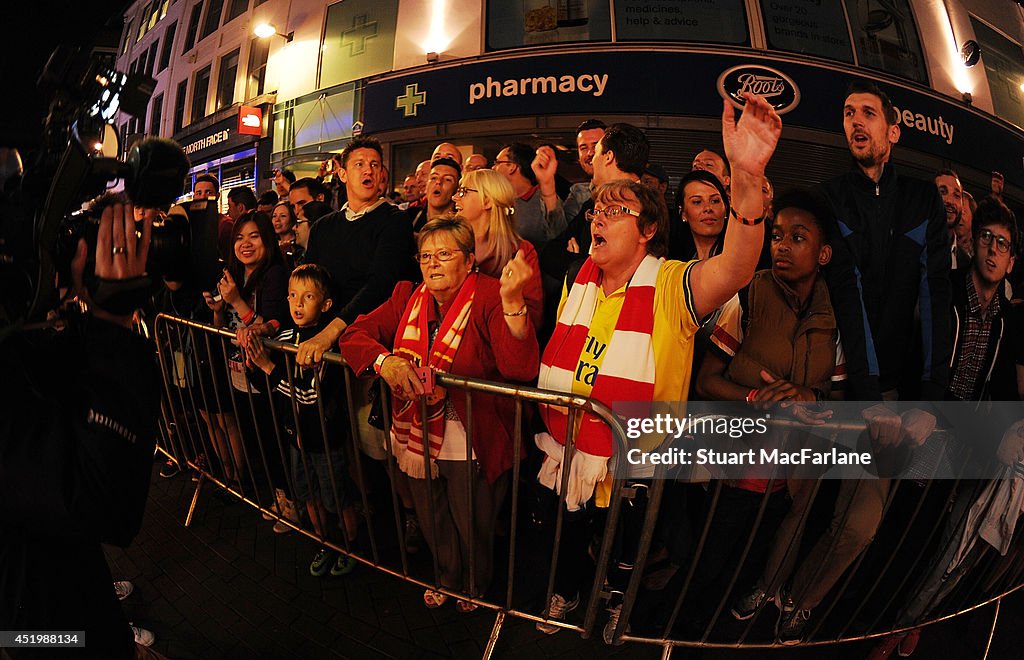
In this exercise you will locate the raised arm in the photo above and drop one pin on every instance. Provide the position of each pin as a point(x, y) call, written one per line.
point(749, 144)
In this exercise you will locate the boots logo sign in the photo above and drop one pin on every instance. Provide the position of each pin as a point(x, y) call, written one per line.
point(776, 87)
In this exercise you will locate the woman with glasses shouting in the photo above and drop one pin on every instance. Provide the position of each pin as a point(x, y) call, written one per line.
point(626, 327)
point(465, 323)
point(485, 199)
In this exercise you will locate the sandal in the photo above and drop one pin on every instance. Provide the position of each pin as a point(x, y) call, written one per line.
point(465, 607)
point(434, 599)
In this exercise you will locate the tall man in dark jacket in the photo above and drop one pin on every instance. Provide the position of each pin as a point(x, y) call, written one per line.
point(367, 246)
point(889, 284)
point(893, 256)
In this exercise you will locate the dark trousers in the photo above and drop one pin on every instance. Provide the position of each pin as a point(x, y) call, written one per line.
point(452, 536)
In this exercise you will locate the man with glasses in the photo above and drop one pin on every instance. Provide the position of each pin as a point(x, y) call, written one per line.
point(982, 311)
point(539, 215)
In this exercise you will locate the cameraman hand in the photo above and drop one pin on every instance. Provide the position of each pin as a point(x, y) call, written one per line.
point(120, 255)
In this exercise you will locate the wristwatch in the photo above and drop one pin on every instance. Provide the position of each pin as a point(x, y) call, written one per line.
point(379, 362)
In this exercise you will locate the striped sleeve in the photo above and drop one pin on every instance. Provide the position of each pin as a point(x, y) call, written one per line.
point(691, 307)
point(727, 335)
point(839, 373)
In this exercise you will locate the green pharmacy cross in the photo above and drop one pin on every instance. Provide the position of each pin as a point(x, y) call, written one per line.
point(409, 102)
point(356, 37)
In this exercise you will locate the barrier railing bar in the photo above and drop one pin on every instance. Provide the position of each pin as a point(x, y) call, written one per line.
point(656, 493)
point(517, 439)
point(428, 476)
point(285, 461)
point(393, 472)
point(471, 588)
point(252, 396)
point(570, 442)
point(577, 406)
point(743, 557)
point(360, 479)
point(492, 639)
point(992, 630)
point(693, 563)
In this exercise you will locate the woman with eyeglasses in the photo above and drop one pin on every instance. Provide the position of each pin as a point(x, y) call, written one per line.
point(465, 323)
point(625, 332)
point(486, 201)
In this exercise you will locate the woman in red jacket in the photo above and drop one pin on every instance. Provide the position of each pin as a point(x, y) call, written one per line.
point(466, 323)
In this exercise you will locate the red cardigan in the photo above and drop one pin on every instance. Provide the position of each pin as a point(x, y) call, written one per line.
point(488, 351)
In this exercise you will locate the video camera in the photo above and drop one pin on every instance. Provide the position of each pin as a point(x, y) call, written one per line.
point(41, 220)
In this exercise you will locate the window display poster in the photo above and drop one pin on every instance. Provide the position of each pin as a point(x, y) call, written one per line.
point(715, 21)
point(812, 27)
point(522, 23)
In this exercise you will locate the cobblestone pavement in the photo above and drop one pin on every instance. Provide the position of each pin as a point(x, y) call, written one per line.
point(228, 587)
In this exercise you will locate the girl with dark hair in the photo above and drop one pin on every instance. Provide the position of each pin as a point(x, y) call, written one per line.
point(704, 210)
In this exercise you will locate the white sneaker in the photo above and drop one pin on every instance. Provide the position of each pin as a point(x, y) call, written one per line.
point(143, 636)
point(123, 589)
point(557, 610)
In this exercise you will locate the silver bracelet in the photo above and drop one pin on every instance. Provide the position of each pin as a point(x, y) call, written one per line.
point(521, 312)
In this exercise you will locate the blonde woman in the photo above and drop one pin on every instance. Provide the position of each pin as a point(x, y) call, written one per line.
point(486, 201)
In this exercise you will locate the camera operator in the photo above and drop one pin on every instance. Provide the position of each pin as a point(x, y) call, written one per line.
point(77, 431)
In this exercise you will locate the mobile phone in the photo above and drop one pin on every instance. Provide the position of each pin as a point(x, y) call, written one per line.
point(216, 296)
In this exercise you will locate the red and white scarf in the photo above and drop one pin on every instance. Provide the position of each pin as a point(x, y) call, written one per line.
point(412, 343)
point(627, 372)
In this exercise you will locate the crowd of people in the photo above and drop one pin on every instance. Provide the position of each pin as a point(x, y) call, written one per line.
point(873, 286)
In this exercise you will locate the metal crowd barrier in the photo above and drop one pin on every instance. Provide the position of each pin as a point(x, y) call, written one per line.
point(197, 395)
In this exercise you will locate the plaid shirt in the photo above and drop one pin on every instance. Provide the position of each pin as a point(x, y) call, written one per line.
point(974, 340)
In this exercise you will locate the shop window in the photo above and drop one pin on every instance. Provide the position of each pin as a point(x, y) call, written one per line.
point(715, 21)
point(226, 75)
point(151, 57)
point(808, 27)
point(193, 27)
point(885, 37)
point(212, 21)
point(127, 38)
point(259, 50)
point(200, 90)
point(1004, 68)
point(236, 9)
point(540, 22)
point(156, 114)
point(165, 54)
